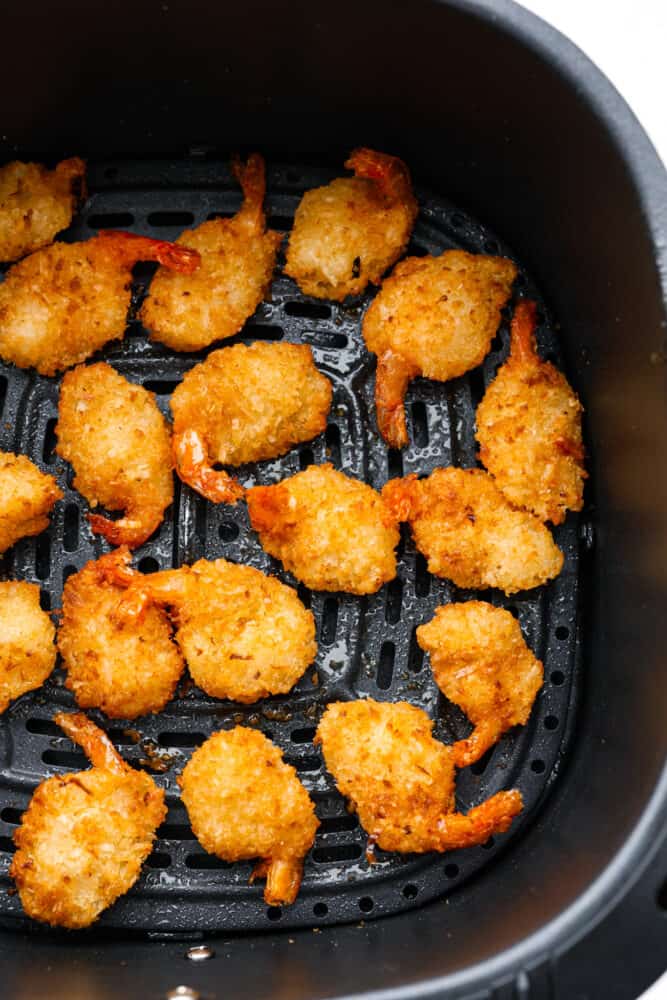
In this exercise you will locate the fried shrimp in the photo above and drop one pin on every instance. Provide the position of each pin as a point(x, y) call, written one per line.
point(244, 404)
point(349, 232)
point(245, 802)
point(61, 304)
point(84, 836)
point(436, 317)
point(529, 429)
point(332, 532)
point(400, 780)
point(27, 650)
point(481, 662)
point(125, 668)
point(27, 497)
point(113, 434)
point(36, 203)
point(237, 260)
point(471, 534)
point(244, 635)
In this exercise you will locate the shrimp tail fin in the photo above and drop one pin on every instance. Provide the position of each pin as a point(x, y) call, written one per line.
point(193, 467)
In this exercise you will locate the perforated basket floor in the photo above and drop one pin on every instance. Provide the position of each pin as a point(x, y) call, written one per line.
point(367, 646)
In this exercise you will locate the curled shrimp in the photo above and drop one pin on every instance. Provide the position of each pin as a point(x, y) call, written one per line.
point(393, 375)
point(194, 468)
point(390, 174)
point(456, 830)
point(129, 248)
point(94, 742)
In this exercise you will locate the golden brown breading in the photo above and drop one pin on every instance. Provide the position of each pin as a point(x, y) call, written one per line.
point(61, 304)
point(125, 668)
point(27, 497)
point(436, 317)
point(84, 836)
point(244, 404)
point(349, 232)
point(529, 429)
point(244, 635)
point(27, 650)
point(481, 662)
point(237, 260)
point(244, 802)
point(36, 203)
point(119, 444)
point(471, 534)
point(400, 780)
point(332, 532)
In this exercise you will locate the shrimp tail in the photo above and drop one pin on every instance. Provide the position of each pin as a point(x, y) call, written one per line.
point(283, 879)
point(522, 332)
point(493, 816)
point(398, 497)
point(392, 377)
point(251, 175)
point(130, 248)
point(131, 530)
point(268, 507)
point(194, 468)
point(73, 173)
point(389, 172)
point(94, 742)
point(114, 568)
point(468, 751)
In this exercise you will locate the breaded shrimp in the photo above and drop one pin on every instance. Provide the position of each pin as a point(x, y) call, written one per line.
point(471, 534)
point(436, 317)
point(244, 635)
point(244, 404)
point(529, 429)
point(332, 532)
point(125, 668)
point(349, 232)
point(27, 497)
point(84, 836)
point(237, 260)
point(27, 650)
point(61, 304)
point(400, 780)
point(245, 802)
point(481, 662)
point(119, 444)
point(36, 203)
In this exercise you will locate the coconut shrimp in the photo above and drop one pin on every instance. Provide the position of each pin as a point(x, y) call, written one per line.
point(400, 780)
point(351, 231)
point(61, 304)
point(436, 317)
point(27, 496)
point(36, 203)
point(332, 532)
point(27, 650)
point(245, 802)
point(244, 404)
point(481, 662)
point(529, 428)
point(471, 534)
point(244, 635)
point(84, 836)
point(119, 445)
point(238, 255)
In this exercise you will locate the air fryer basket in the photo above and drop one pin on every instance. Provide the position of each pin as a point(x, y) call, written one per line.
point(500, 116)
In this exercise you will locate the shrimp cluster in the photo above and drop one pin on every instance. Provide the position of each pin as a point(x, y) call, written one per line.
point(36, 204)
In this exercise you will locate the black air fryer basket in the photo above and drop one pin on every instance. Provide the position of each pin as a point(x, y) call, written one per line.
point(518, 146)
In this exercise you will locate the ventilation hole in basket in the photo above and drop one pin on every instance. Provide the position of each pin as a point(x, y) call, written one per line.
point(416, 250)
point(320, 910)
point(329, 622)
point(111, 173)
point(161, 386)
point(419, 424)
point(201, 518)
point(416, 654)
point(158, 859)
point(551, 722)
point(43, 727)
point(338, 824)
point(148, 565)
point(451, 871)
point(394, 463)
point(123, 737)
point(219, 215)
point(45, 600)
point(410, 891)
point(557, 677)
point(326, 339)
point(3, 392)
point(513, 610)
point(477, 385)
point(332, 439)
point(71, 527)
point(304, 595)
point(537, 766)
point(50, 441)
point(43, 557)
point(228, 531)
point(7, 845)
point(310, 763)
point(305, 735)
point(280, 222)
point(262, 331)
point(497, 343)
point(366, 904)
point(306, 458)
point(67, 572)
point(205, 862)
point(274, 913)
point(167, 739)
point(308, 310)
point(170, 218)
point(11, 815)
point(175, 831)
point(392, 611)
point(65, 758)
point(562, 633)
point(143, 271)
point(422, 577)
point(488, 844)
point(110, 220)
point(480, 766)
point(386, 666)
point(336, 852)
point(661, 896)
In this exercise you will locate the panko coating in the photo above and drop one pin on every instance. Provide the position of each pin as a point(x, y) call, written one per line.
point(529, 429)
point(27, 650)
point(36, 203)
point(349, 232)
point(400, 780)
point(436, 317)
point(244, 635)
point(470, 533)
point(61, 304)
point(125, 668)
point(481, 662)
point(244, 404)
point(237, 260)
point(245, 802)
point(119, 444)
point(84, 836)
point(27, 496)
point(332, 532)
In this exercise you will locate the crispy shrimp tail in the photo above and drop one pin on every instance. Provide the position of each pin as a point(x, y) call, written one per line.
point(522, 332)
point(283, 879)
point(73, 173)
point(392, 378)
point(252, 178)
point(493, 816)
point(168, 586)
point(114, 568)
point(268, 507)
point(94, 742)
point(194, 468)
point(391, 174)
point(483, 736)
point(129, 248)
point(131, 530)
point(398, 496)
